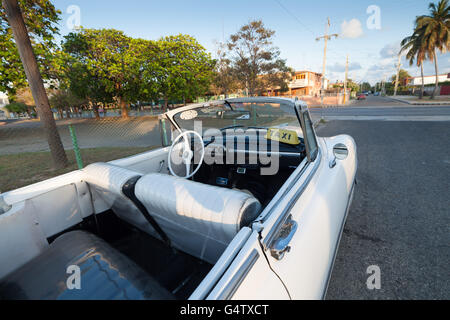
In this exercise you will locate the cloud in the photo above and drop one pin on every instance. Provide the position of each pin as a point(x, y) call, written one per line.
point(428, 66)
point(390, 50)
point(340, 67)
point(385, 67)
point(351, 29)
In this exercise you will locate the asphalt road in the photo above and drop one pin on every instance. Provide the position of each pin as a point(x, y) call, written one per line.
point(400, 216)
point(383, 109)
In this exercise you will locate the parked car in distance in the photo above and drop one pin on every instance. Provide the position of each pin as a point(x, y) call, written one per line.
point(376, 94)
point(361, 96)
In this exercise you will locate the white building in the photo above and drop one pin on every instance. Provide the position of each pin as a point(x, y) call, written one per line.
point(3, 99)
point(3, 102)
point(417, 81)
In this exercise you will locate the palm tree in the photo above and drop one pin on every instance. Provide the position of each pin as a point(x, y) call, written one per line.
point(415, 51)
point(435, 34)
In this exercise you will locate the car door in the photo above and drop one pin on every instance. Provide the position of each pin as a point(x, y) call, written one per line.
point(291, 249)
point(301, 236)
point(249, 276)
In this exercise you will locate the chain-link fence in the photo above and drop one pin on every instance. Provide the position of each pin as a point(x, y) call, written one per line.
point(25, 156)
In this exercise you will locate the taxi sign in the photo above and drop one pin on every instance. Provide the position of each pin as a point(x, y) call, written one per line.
point(283, 136)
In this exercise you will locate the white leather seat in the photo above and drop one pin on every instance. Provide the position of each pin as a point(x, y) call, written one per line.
point(106, 182)
point(199, 219)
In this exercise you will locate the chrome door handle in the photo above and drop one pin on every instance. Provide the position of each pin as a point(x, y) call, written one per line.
point(161, 165)
point(333, 163)
point(281, 244)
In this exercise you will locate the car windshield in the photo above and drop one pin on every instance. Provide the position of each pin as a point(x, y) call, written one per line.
point(239, 115)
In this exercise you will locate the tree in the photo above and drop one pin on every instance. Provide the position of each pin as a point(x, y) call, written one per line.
point(75, 75)
point(63, 100)
point(435, 33)
point(35, 82)
point(365, 86)
point(256, 62)
point(415, 51)
point(24, 96)
point(17, 107)
point(183, 69)
point(223, 79)
point(353, 86)
point(40, 18)
point(103, 55)
point(402, 76)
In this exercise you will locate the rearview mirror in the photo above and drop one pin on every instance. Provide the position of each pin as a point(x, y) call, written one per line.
point(234, 115)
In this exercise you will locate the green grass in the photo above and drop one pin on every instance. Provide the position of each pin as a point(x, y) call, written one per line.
point(19, 170)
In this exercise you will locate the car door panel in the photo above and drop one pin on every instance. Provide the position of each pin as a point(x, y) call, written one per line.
point(320, 213)
point(249, 277)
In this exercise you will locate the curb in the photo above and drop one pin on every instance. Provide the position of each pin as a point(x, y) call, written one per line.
point(419, 103)
point(330, 106)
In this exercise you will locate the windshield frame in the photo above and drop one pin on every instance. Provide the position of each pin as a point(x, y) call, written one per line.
point(300, 107)
point(229, 102)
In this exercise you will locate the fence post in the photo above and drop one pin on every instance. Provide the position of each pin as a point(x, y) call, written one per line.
point(76, 148)
point(164, 137)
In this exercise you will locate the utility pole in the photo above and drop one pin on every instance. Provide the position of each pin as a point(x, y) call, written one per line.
point(345, 80)
point(399, 64)
point(326, 37)
point(35, 82)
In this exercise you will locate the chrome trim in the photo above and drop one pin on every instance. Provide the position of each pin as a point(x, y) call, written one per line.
point(347, 209)
point(4, 207)
point(262, 100)
point(270, 237)
point(231, 287)
point(221, 266)
point(264, 152)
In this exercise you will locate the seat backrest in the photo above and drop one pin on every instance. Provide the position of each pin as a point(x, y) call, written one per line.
point(199, 219)
point(106, 182)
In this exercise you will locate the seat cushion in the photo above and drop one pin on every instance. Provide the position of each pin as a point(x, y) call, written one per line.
point(106, 274)
point(199, 219)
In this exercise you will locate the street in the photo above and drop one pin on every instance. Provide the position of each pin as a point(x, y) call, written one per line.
point(399, 219)
point(381, 108)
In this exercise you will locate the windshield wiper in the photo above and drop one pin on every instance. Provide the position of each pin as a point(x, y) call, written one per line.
point(241, 126)
point(232, 127)
point(261, 128)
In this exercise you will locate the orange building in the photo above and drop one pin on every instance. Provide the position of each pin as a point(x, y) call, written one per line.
point(303, 83)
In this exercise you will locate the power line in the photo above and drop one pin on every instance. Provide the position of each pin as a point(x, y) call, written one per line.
point(326, 37)
point(294, 16)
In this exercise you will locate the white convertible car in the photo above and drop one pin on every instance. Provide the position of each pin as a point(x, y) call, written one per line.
point(243, 202)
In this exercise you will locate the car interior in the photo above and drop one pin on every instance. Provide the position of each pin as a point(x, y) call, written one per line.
point(150, 235)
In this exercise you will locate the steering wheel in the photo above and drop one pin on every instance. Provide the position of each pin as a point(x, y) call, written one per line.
point(186, 153)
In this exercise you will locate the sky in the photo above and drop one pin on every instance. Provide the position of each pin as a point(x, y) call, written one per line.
point(369, 31)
